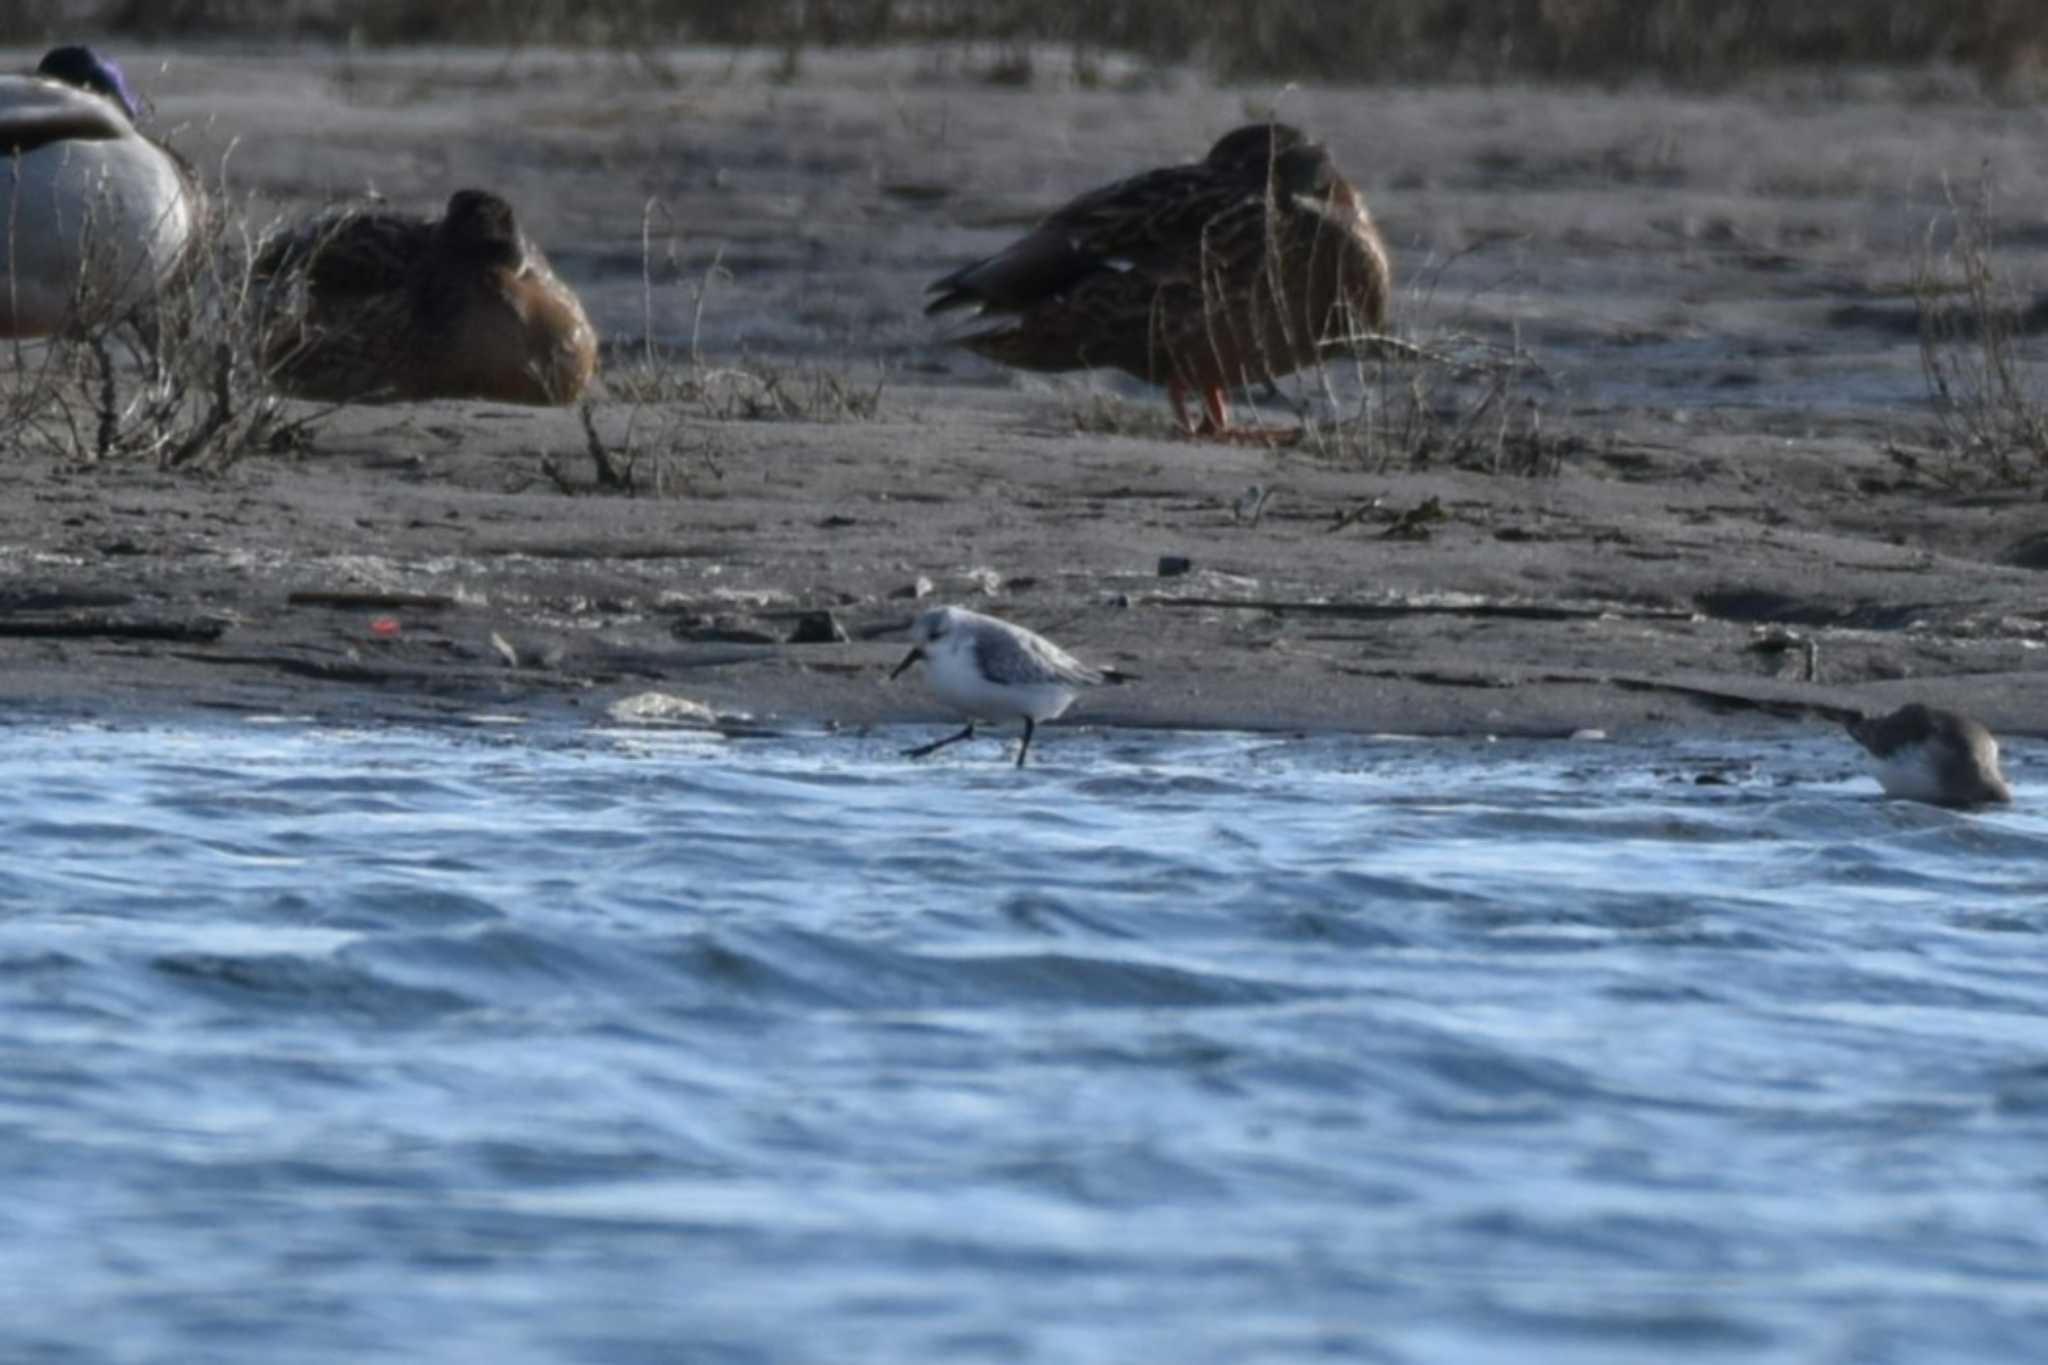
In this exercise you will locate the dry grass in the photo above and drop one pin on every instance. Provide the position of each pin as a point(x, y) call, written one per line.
point(1986, 383)
point(1687, 40)
point(1458, 402)
point(648, 372)
point(749, 391)
point(673, 398)
point(673, 405)
point(1108, 414)
point(1434, 397)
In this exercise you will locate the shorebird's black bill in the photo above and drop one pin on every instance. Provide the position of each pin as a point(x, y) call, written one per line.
point(916, 653)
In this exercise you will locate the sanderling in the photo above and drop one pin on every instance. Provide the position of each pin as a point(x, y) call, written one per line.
point(1927, 754)
point(990, 670)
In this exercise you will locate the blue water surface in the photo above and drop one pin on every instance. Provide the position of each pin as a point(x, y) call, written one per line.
point(475, 1045)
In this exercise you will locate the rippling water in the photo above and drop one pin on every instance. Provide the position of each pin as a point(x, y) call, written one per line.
point(474, 1046)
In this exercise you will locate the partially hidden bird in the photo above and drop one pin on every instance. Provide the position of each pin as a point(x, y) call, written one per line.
point(1925, 753)
point(367, 304)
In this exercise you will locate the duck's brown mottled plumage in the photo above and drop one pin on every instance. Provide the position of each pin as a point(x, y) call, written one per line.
point(370, 305)
point(1239, 268)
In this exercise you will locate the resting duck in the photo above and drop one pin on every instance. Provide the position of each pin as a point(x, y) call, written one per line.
point(95, 218)
point(1924, 753)
point(371, 305)
point(1236, 269)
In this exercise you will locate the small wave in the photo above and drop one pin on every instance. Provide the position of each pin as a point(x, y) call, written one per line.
point(799, 968)
point(305, 989)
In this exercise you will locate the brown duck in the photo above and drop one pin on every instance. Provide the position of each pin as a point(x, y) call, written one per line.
point(1236, 269)
point(368, 305)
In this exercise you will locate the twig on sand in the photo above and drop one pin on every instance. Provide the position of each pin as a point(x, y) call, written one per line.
point(609, 475)
point(1356, 514)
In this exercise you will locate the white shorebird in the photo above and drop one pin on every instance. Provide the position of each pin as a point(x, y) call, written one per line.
point(991, 671)
point(1927, 754)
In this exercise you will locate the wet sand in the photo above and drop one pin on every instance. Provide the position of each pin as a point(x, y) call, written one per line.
point(1714, 290)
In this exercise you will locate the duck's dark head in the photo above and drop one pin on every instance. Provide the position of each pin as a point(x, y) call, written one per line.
point(1253, 147)
point(75, 64)
point(1304, 172)
point(479, 227)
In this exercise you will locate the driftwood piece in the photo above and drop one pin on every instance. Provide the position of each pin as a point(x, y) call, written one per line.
point(370, 601)
point(1383, 611)
point(88, 627)
point(1777, 706)
point(339, 670)
point(335, 670)
point(61, 599)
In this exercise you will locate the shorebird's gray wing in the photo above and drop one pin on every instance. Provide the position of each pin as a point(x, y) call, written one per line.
point(1009, 655)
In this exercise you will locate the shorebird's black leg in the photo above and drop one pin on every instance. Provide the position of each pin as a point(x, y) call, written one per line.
point(1030, 728)
point(921, 750)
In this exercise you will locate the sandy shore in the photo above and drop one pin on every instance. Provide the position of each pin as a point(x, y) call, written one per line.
point(1712, 289)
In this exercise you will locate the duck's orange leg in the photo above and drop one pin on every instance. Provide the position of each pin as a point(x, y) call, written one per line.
point(1215, 416)
point(1216, 423)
